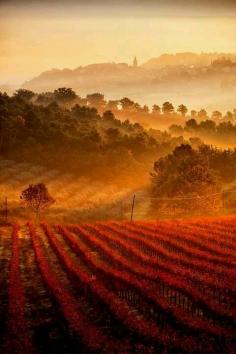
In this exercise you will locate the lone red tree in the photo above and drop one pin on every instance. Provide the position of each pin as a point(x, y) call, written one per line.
point(37, 198)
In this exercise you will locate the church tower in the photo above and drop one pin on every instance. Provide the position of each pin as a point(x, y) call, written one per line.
point(135, 63)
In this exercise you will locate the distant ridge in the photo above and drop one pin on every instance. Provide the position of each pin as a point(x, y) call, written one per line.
point(183, 77)
point(113, 74)
point(187, 58)
point(84, 76)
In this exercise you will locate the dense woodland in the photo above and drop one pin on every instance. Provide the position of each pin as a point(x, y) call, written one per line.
point(77, 139)
point(209, 130)
point(61, 130)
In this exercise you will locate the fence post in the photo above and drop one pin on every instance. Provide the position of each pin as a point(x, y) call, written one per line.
point(223, 201)
point(6, 211)
point(121, 209)
point(132, 209)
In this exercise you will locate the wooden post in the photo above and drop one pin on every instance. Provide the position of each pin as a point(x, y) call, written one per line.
point(223, 201)
point(132, 209)
point(121, 210)
point(6, 211)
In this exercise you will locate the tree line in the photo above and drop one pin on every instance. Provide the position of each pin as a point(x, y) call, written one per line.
point(68, 97)
point(207, 130)
point(79, 139)
point(76, 138)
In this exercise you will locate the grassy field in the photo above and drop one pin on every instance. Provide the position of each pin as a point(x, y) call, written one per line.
point(76, 197)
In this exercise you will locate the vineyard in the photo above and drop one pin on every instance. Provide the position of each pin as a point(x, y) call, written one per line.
point(119, 287)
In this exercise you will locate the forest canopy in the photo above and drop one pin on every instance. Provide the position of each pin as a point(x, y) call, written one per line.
point(81, 135)
point(184, 172)
point(77, 138)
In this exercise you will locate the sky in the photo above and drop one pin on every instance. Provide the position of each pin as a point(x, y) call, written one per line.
point(37, 36)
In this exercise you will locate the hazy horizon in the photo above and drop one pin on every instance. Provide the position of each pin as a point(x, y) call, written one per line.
point(38, 36)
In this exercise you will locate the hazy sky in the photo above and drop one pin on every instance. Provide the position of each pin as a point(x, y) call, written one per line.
point(55, 34)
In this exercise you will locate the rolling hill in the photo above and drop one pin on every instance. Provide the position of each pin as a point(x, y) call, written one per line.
point(182, 77)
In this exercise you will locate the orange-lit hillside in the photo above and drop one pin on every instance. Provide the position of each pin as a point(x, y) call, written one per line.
point(118, 287)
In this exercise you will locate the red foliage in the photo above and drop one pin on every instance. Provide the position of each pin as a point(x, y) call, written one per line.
point(91, 335)
point(178, 284)
point(189, 255)
point(175, 283)
point(37, 197)
point(173, 261)
point(200, 241)
point(116, 305)
point(18, 338)
point(222, 231)
point(179, 316)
